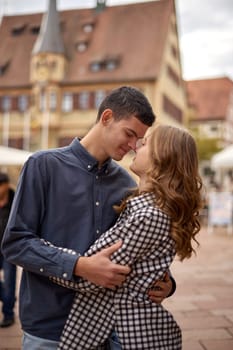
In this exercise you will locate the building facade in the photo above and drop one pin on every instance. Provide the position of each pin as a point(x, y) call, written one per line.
point(56, 67)
point(211, 109)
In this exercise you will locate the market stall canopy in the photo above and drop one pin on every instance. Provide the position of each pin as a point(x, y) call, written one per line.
point(13, 156)
point(223, 159)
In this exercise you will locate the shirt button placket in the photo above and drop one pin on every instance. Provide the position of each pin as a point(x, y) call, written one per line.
point(97, 205)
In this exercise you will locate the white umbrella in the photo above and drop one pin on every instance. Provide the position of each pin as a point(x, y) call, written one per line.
point(13, 156)
point(223, 159)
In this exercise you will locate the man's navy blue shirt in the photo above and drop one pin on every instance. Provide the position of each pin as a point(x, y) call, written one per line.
point(63, 197)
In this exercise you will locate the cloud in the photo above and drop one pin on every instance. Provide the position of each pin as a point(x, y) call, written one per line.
point(206, 37)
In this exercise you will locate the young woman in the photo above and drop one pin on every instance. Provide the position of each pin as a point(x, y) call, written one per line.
point(157, 222)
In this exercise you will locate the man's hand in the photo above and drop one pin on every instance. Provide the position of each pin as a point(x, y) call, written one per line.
point(100, 270)
point(161, 289)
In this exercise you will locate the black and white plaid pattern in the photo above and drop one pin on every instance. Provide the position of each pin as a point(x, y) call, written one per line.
point(140, 324)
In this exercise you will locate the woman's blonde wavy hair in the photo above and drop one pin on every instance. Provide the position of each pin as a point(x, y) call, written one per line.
point(174, 179)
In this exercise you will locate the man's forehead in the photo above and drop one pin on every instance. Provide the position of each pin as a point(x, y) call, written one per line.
point(139, 134)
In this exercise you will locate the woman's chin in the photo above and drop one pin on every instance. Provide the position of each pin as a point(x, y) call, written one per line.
point(131, 167)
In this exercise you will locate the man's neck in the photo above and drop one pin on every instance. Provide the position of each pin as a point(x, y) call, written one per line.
point(92, 143)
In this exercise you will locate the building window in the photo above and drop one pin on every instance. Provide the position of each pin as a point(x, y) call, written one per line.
point(67, 102)
point(81, 46)
point(96, 66)
point(4, 66)
point(84, 100)
point(18, 30)
point(111, 65)
point(99, 96)
point(88, 27)
point(170, 108)
point(35, 29)
point(52, 101)
point(42, 101)
point(173, 75)
point(213, 128)
point(22, 103)
point(174, 51)
point(64, 141)
point(108, 63)
point(6, 103)
point(15, 143)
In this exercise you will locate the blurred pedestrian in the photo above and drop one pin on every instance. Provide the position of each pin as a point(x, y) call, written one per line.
point(7, 270)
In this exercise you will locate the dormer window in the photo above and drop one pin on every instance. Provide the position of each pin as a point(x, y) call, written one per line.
point(3, 67)
point(18, 30)
point(111, 64)
point(81, 46)
point(108, 63)
point(62, 26)
point(88, 25)
point(96, 66)
point(88, 28)
point(35, 29)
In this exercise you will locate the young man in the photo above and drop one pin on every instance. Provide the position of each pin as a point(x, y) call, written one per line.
point(7, 270)
point(66, 196)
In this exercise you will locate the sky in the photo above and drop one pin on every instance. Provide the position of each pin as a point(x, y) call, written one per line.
point(205, 31)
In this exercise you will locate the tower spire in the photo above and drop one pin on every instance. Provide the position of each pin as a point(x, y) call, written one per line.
point(49, 39)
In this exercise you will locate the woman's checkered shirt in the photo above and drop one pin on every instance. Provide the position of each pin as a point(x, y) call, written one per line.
point(140, 324)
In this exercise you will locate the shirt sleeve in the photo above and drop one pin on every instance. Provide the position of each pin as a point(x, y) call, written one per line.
point(21, 242)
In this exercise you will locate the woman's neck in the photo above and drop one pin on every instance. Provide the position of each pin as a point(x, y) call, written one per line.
point(143, 185)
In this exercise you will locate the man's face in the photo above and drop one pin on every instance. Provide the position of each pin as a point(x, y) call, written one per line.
point(4, 187)
point(121, 136)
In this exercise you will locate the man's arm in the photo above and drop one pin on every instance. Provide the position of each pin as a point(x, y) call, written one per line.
point(86, 266)
point(21, 242)
point(98, 270)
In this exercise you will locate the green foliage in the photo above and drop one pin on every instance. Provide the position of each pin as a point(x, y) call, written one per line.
point(207, 147)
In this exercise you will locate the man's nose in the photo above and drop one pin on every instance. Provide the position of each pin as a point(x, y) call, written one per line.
point(132, 144)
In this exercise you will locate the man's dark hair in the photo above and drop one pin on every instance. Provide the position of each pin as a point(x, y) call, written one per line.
point(4, 178)
point(125, 102)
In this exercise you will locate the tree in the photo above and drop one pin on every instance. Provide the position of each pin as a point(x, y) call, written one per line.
point(207, 147)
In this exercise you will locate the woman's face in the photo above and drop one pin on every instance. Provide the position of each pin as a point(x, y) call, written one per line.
point(141, 161)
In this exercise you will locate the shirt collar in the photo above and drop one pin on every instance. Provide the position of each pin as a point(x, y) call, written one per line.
point(143, 199)
point(89, 162)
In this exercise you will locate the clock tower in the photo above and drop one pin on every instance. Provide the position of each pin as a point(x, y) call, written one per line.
point(47, 71)
point(48, 54)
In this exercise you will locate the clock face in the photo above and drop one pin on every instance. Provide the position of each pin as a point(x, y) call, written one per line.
point(43, 73)
point(45, 67)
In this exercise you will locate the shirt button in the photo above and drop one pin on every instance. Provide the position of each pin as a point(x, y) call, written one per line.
point(89, 166)
point(97, 177)
point(97, 231)
point(41, 269)
point(64, 275)
point(97, 203)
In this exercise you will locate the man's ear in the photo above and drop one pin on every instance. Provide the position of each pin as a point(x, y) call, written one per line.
point(106, 116)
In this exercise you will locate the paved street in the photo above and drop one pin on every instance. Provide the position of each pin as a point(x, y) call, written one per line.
point(203, 302)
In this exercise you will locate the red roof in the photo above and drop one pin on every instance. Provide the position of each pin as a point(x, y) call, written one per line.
point(135, 34)
point(210, 97)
